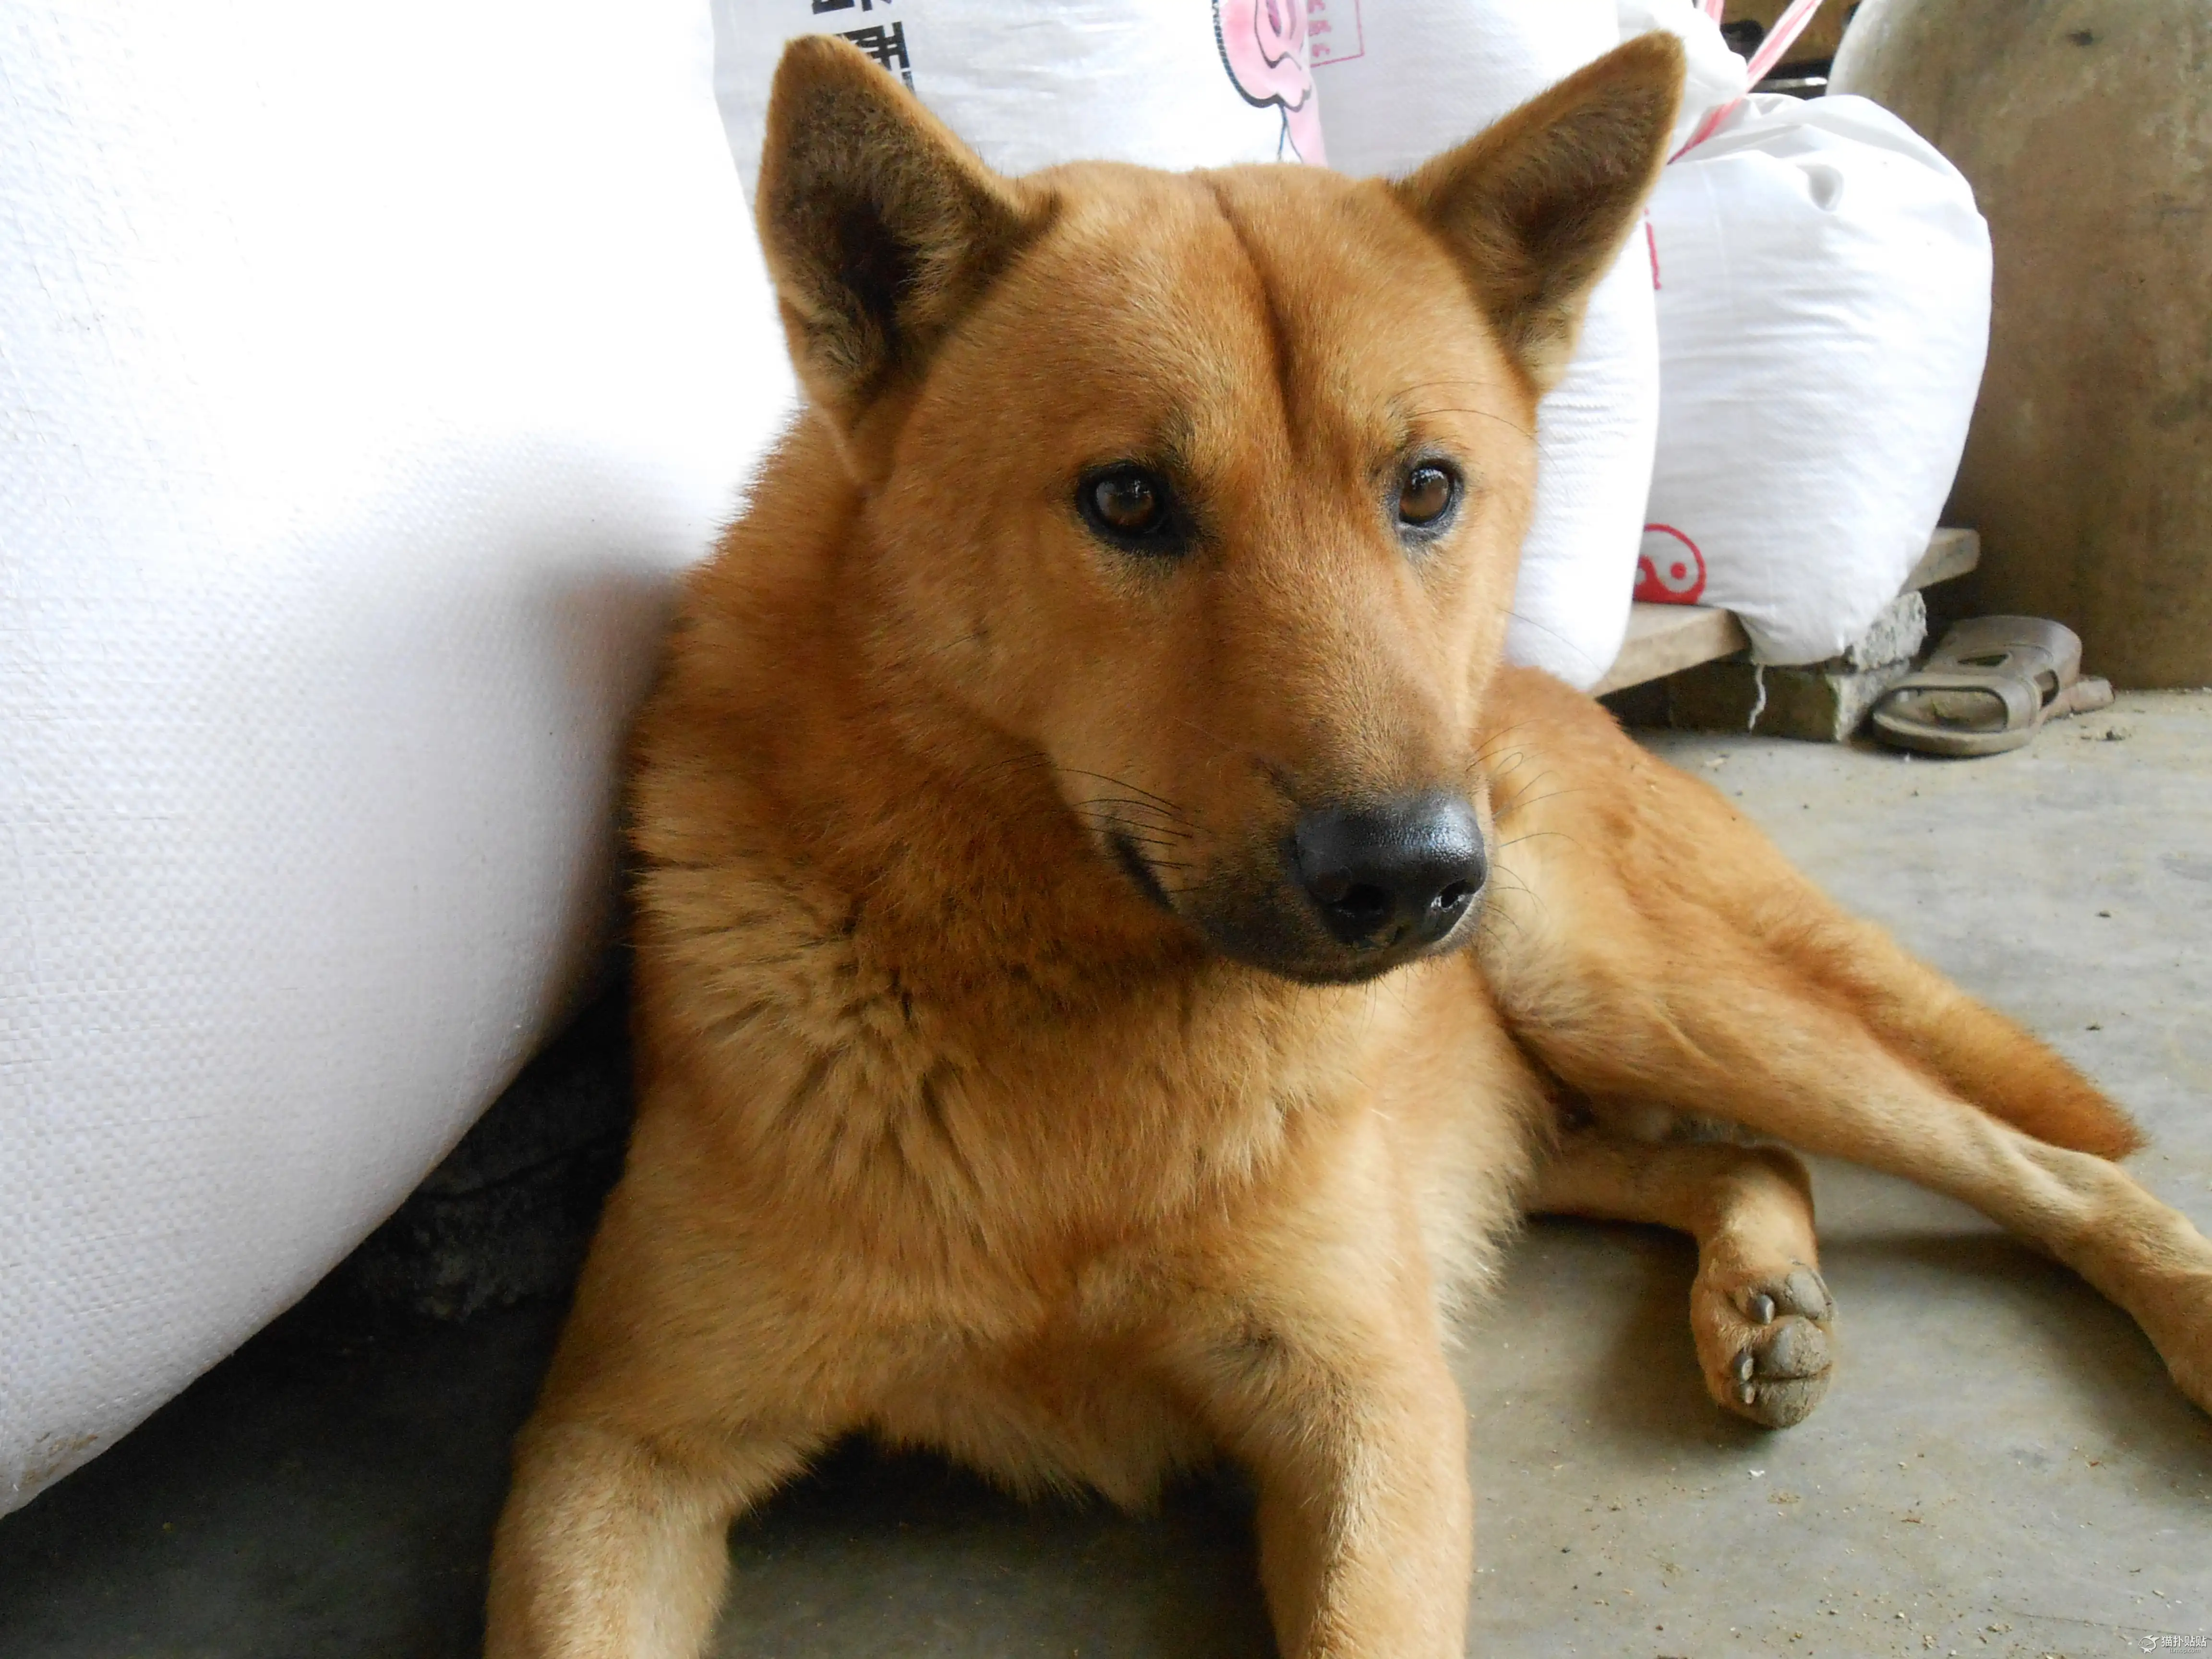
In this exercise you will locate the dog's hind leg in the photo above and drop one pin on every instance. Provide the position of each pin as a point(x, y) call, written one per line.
point(1759, 1310)
point(1650, 945)
point(1594, 832)
point(1780, 1060)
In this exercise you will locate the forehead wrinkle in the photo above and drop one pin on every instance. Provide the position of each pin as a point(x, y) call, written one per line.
point(1275, 322)
point(1139, 276)
point(1319, 281)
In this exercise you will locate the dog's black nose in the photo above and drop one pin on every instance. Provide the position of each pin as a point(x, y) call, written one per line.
point(1403, 871)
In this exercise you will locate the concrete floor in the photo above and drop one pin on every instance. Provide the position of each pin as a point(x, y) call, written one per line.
point(2001, 1468)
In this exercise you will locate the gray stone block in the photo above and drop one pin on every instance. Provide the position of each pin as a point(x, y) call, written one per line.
point(1817, 704)
point(1895, 636)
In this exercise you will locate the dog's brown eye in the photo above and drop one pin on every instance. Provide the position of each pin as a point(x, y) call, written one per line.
point(1129, 501)
point(1426, 496)
point(1132, 507)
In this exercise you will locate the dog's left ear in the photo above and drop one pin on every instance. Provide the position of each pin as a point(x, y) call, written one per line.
point(879, 225)
point(1535, 207)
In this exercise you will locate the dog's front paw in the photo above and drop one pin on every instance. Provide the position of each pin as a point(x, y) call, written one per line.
point(1763, 1339)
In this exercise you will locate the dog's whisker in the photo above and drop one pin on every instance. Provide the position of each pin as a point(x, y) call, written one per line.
point(1117, 818)
point(1535, 835)
point(1218, 742)
point(1162, 822)
point(1527, 621)
point(1500, 735)
point(1519, 805)
point(1119, 783)
point(1489, 415)
point(1128, 840)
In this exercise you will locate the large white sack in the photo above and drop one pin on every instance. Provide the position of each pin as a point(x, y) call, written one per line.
point(1425, 75)
point(1824, 309)
point(365, 386)
point(1713, 73)
point(1167, 83)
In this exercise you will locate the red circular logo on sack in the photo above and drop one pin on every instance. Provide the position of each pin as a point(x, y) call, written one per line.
point(1669, 570)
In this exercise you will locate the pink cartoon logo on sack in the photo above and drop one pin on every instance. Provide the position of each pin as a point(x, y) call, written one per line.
point(1669, 569)
point(1263, 46)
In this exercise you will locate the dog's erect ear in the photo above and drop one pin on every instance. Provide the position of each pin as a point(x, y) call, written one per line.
point(1535, 207)
point(879, 225)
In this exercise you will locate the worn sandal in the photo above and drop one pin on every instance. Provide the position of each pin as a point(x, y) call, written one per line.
point(1988, 687)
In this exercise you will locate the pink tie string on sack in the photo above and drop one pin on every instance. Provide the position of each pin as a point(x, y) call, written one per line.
point(1779, 39)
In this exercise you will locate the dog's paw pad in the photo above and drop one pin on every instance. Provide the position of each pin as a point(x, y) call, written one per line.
point(1790, 1347)
point(1765, 1345)
point(1781, 1374)
point(1782, 1402)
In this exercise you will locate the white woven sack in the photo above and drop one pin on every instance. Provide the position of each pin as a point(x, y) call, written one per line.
point(1824, 309)
point(1404, 79)
point(365, 388)
point(1714, 75)
point(1167, 83)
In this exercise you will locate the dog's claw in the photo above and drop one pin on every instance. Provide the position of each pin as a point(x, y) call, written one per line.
point(1761, 1309)
point(1744, 1365)
point(1745, 1392)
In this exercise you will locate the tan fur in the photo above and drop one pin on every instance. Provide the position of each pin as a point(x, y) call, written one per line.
point(998, 1094)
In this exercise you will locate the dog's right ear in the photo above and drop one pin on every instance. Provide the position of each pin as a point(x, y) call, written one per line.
point(1535, 207)
point(879, 225)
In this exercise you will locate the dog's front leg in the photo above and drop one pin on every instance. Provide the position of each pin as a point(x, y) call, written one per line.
point(1759, 1310)
point(1350, 1420)
point(680, 1396)
point(612, 1546)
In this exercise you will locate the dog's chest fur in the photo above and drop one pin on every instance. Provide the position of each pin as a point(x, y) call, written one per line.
point(1007, 1187)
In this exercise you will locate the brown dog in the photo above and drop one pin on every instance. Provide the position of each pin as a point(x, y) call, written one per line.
point(1113, 947)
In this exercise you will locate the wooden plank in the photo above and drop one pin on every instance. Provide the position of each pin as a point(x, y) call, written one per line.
point(1665, 639)
point(1950, 553)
